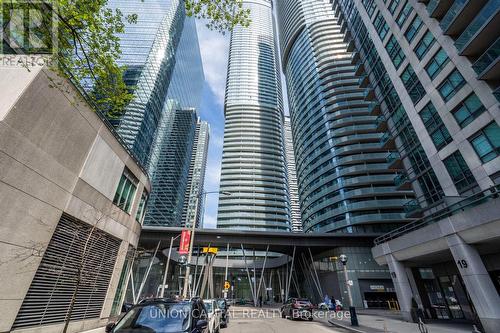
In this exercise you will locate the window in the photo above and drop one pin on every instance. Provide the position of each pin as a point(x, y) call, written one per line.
point(437, 63)
point(369, 6)
point(486, 142)
point(435, 126)
point(395, 53)
point(424, 45)
point(451, 85)
point(381, 26)
point(413, 29)
point(141, 210)
point(468, 110)
point(126, 190)
point(459, 171)
point(403, 15)
point(412, 84)
point(393, 5)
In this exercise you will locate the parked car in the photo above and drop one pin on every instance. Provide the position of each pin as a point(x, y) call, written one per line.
point(163, 316)
point(214, 315)
point(297, 308)
point(224, 307)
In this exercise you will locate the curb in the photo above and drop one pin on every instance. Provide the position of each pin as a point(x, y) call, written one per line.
point(349, 328)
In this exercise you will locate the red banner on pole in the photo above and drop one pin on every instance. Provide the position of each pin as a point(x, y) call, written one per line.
point(185, 241)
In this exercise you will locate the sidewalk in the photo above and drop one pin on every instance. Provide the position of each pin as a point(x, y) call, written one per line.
point(390, 323)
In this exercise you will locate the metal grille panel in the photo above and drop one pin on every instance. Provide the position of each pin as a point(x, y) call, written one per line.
point(64, 263)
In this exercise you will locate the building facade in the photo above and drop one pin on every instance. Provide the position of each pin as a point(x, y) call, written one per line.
point(148, 51)
point(432, 67)
point(345, 183)
point(76, 184)
point(253, 161)
point(296, 220)
point(194, 198)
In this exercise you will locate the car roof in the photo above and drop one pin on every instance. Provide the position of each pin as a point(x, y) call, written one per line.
point(163, 300)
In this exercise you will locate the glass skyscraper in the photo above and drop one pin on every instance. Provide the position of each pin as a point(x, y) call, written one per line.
point(171, 152)
point(253, 161)
point(164, 70)
point(194, 198)
point(148, 51)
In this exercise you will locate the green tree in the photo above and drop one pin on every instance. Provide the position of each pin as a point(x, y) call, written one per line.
point(222, 15)
point(88, 47)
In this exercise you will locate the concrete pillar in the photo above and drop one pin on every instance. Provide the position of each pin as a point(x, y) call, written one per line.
point(401, 284)
point(414, 288)
point(478, 283)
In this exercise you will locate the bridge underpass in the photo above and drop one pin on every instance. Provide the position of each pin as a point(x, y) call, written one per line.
point(271, 265)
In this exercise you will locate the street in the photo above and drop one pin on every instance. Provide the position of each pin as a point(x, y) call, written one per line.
point(278, 325)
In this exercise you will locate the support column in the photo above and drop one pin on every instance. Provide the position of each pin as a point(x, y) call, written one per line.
point(402, 286)
point(478, 283)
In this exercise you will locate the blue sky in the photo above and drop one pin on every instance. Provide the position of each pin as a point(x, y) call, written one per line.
point(214, 49)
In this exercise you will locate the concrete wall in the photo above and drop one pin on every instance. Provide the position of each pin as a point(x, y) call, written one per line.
point(56, 155)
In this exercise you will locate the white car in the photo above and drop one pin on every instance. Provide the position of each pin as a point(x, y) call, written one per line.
point(214, 315)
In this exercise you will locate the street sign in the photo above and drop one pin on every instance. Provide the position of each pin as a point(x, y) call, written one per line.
point(212, 250)
point(185, 241)
point(227, 285)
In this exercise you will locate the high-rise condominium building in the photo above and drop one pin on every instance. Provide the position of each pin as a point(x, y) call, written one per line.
point(296, 219)
point(253, 161)
point(432, 67)
point(345, 183)
point(194, 198)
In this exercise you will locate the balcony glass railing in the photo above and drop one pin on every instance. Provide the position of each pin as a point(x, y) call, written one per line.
point(458, 207)
point(488, 11)
point(487, 58)
point(400, 179)
point(454, 10)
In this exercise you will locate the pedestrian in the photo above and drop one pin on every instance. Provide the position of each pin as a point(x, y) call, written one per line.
point(260, 301)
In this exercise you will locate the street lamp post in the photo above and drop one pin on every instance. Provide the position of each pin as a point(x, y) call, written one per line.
point(352, 309)
point(191, 243)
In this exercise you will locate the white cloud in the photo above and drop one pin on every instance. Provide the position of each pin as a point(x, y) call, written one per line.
point(214, 49)
point(210, 221)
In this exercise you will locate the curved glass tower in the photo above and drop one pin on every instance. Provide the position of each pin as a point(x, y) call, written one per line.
point(253, 161)
point(345, 182)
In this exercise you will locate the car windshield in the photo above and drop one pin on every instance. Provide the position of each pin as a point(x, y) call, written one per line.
point(209, 306)
point(156, 318)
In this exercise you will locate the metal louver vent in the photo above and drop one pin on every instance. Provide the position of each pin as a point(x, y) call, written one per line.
point(49, 296)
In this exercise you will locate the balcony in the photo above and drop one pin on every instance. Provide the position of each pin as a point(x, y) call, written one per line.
point(387, 141)
point(438, 8)
point(394, 161)
point(364, 81)
point(381, 123)
point(412, 208)
point(481, 32)
point(487, 66)
point(374, 109)
point(460, 14)
point(369, 94)
point(402, 182)
point(350, 45)
point(355, 58)
point(360, 69)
